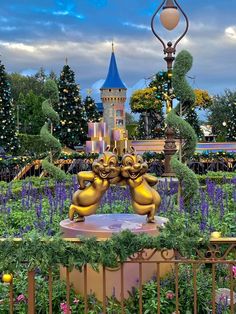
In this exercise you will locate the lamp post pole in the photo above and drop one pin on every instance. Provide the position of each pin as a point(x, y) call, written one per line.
point(169, 18)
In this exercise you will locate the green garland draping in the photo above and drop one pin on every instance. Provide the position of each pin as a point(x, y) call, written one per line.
point(50, 252)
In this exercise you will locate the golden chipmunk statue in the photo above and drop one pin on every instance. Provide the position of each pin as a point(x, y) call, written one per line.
point(145, 199)
point(86, 200)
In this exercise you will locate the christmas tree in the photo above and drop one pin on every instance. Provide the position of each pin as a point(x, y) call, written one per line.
point(73, 124)
point(91, 109)
point(8, 139)
point(230, 122)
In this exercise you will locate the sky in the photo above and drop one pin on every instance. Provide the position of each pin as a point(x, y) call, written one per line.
point(35, 33)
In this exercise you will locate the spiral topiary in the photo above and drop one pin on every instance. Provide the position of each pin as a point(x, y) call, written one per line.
point(51, 143)
point(183, 91)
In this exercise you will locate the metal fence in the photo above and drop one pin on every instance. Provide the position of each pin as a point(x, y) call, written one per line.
point(220, 252)
point(74, 166)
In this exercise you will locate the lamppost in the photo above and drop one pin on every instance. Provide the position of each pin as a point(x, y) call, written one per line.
point(169, 18)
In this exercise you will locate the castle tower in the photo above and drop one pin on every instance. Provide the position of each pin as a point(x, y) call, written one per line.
point(113, 95)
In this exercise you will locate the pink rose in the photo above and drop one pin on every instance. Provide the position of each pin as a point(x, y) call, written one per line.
point(21, 298)
point(170, 295)
point(63, 307)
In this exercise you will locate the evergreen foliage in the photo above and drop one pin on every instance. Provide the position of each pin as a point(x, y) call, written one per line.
point(51, 143)
point(73, 124)
point(222, 116)
point(182, 89)
point(8, 137)
point(187, 178)
point(30, 113)
point(50, 252)
point(91, 109)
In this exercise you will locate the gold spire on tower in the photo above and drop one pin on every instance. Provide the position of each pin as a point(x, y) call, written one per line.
point(66, 61)
point(112, 45)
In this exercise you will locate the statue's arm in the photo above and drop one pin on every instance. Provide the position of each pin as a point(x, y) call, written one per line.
point(151, 180)
point(84, 176)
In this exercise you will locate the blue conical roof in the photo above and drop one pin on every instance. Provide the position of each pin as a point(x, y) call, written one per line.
point(113, 79)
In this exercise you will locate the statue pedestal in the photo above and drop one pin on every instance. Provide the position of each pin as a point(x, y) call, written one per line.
point(103, 226)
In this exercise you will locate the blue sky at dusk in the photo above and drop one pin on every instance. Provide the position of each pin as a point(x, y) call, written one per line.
point(37, 33)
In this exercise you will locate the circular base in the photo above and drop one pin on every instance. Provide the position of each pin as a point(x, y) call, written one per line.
point(103, 226)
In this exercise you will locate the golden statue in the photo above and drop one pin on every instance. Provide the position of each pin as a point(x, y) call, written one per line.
point(86, 200)
point(105, 171)
point(145, 199)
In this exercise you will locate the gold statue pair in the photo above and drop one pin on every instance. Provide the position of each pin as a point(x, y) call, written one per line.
point(106, 171)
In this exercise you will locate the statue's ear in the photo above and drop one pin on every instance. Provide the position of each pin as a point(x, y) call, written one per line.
point(132, 150)
point(107, 148)
point(115, 151)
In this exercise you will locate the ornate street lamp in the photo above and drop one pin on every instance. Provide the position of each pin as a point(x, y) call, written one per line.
point(169, 18)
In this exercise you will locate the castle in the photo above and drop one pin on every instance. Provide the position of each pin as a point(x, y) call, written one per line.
point(113, 95)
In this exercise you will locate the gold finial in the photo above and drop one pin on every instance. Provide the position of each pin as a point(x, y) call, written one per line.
point(66, 60)
point(112, 45)
point(89, 91)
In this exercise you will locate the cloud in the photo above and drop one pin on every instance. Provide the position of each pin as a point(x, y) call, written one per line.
point(230, 32)
point(138, 26)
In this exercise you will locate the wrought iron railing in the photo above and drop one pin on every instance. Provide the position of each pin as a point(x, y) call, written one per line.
point(221, 251)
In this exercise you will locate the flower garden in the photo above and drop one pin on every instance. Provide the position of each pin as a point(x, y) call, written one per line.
point(33, 208)
point(50, 170)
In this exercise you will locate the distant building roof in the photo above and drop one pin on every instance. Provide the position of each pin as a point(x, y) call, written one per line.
point(113, 79)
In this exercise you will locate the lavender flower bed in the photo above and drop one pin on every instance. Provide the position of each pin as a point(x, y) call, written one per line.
point(41, 209)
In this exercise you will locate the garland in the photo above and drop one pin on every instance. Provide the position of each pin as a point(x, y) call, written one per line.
point(49, 252)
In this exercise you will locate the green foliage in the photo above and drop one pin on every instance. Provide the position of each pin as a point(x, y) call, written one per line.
point(49, 140)
point(51, 143)
point(53, 171)
point(91, 109)
point(50, 91)
point(73, 123)
point(8, 138)
point(30, 113)
point(50, 113)
point(187, 178)
point(21, 84)
point(219, 177)
point(182, 89)
point(222, 115)
point(49, 252)
point(186, 132)
point(30, 145)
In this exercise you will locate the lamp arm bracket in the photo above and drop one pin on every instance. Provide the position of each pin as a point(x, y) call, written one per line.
point(152, 26)
point(187, 24)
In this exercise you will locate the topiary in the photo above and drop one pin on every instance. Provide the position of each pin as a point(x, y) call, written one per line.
point(52, 144)
point(183, 91)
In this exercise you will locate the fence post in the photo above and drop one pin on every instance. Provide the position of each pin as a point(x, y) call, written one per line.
point(31, 292)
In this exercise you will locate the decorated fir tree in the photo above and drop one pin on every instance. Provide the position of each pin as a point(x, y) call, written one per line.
point(230, 122)
point(91, 109)
point(8, 138)
point(73, 124)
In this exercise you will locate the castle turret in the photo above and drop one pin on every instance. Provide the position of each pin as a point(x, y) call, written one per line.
point(113, 95)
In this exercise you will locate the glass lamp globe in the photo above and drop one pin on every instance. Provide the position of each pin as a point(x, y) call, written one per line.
point(170, 16)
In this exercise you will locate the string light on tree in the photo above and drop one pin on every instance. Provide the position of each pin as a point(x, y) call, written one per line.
point(71, 110)
point(8, 124)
